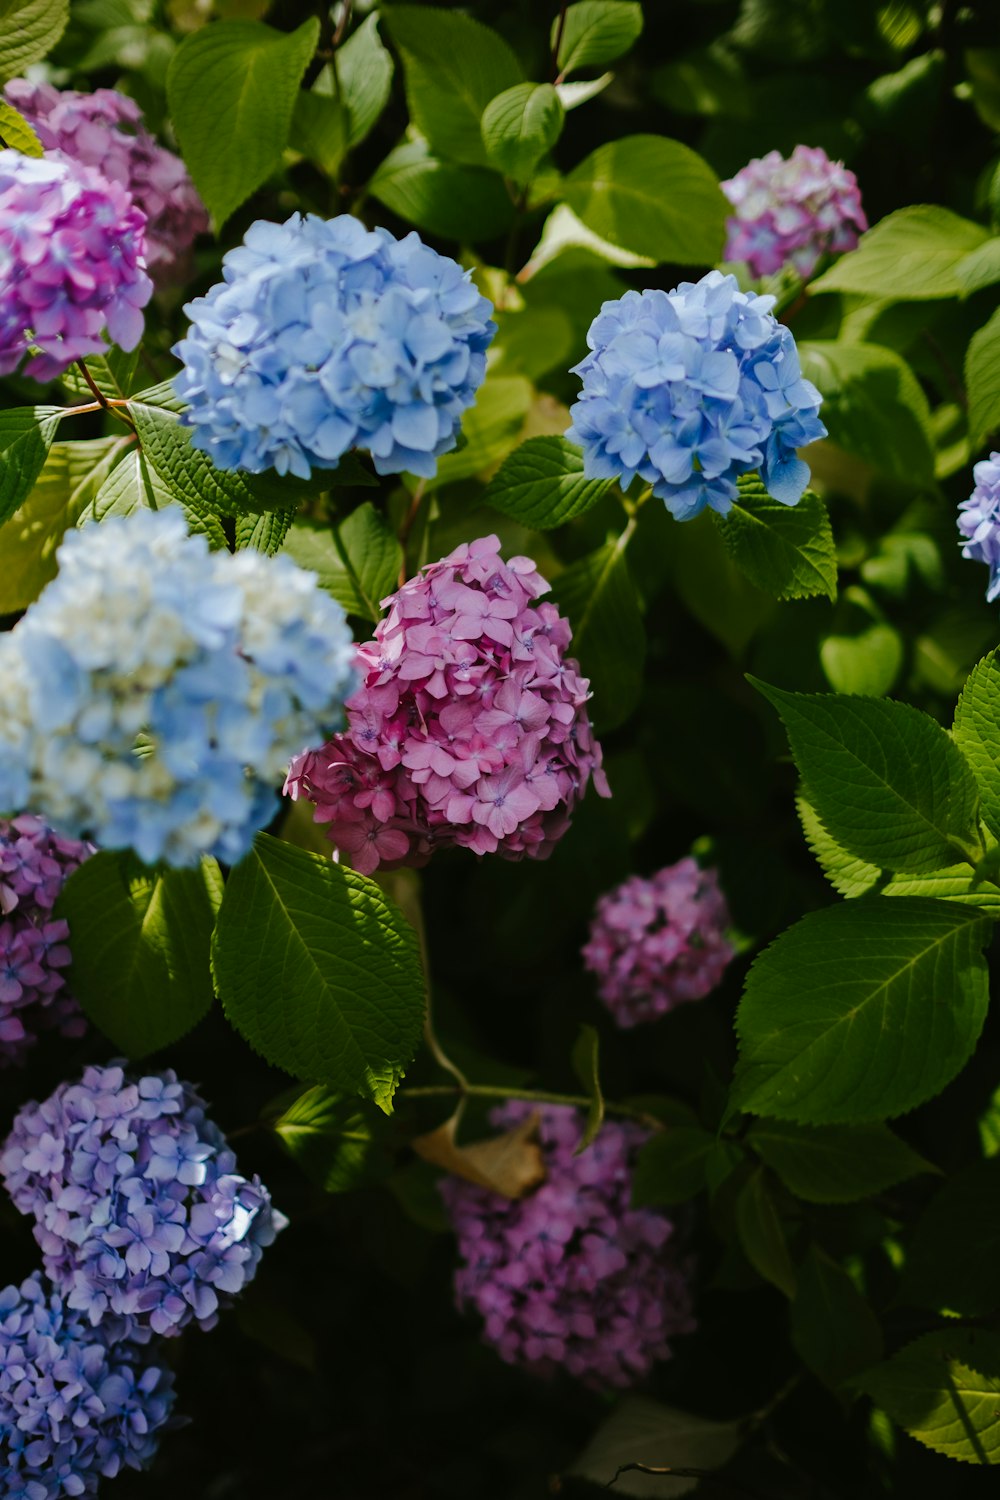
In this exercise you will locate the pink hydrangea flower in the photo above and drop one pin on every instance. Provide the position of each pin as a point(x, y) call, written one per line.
point(470, 726)
point(792, 212)
point(656, 943)
point(72, 263)
point(105, 130)
point(571, 1276)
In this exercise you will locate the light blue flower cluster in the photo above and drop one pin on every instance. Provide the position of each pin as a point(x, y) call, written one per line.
point(74, 1408)
point(689, 389)
point(143, 1221)
point(156, 691)
point(325, 336)
point(979, 521)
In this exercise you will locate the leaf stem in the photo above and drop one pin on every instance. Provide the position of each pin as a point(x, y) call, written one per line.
point(105, 403)
point(557, 42)
point(530, 1096)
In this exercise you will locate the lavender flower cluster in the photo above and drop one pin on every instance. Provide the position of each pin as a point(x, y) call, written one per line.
point(979, 521)
point(326, 336)
point(469, 728)
point(224, 665)
point(792, 212)
point(571, 1276)
point(691, 388)
point(105, 130)
point(34, 864)
point(656, 943)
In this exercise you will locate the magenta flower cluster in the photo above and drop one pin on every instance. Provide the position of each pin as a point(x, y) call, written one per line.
point(105, 130)
point(792, 212)
point(470, 726)
point(571, 1276)
point(34, 864)
point(658, 942)
point(72, 264)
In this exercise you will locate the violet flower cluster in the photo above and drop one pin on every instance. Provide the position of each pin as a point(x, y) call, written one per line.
point(979, 521)
point(75, 1407)
point(143, 1221)
point(326, 336)
point(792, 213)
point(656, 943)
point(72, 264)
point(571, 1276)
point(689, 389)
point(105, 130)
point(156, 691)
point(34, 864)
point(470, 726)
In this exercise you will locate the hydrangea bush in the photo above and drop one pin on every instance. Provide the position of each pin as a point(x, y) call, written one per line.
point(493, 693)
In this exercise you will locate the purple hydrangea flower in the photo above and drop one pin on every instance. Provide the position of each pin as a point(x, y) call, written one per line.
point(105, 130)
point(571, 1276)
point(74, 1407)
point(656, 943)
point(690, 389)
point(979, 521)
point(72, 264)
point(792, 212)
point(326, 336)
point(34, 864)
point(470, 727)
point(143, 1220)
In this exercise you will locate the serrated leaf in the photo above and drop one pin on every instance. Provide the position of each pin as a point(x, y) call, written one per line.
point(982, 380)
point(358, 562)
point(651, 196)
point(585, 1059)
point(445, 198)
point(834, 1330)
point(609, 639)
point(951, 1265)
point(26, 434)
point(113, 373)
point(761, 1234)
point(834, 1163)
point(944, 1390)
point(542, 484)
point(335, 1140)
point(133, 484)
point(885, 779)
point(140, 943)
point(29, 29)
point(15, 131)
point(910, 255)
point(183, 469)
point(519, 126)
point(670, 1167)
point(319, 971)
point(595, 32)
point(264, 533)
point(236, 82)
point(788, 551)
point(873, 406)
point(641, 1431)
point(977, 734)
point(862, 1011)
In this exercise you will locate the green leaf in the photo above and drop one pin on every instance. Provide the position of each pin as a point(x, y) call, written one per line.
point(834, 1163)
point(133, 484)
point(584, 1059)
point(26, 434)
point(652, 196)
point(15, 131)
point(861, 653)
point(364, 73)
point(113, 373)
point(29, 29)
point(641, 1431)
point(787, 551)
point(490, 429)
point(519, 126)
point(875, 1031)
point(335, 1140)
point(319, 971)
point(453, 201)
point(542, 484)
point(670, 1167)
point(761, 1234)
point(951, 1265)
point(888, 782)
point(977, 734)
point(140, 943)
point(235, 83)
point(319, 130)
point(265, 533)
point(609, 640)
point(982, 380)
point(453, 67)
point(910, 255)
point(358, 562)
point(184, 470)
point(834, 1330)
point(595, 33)
point(981, 267)
point(944, 1390)
point(873, 406)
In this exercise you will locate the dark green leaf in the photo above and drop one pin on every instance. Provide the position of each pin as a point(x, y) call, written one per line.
point(319, 129)
point(265, 533)
point(873, 406)
point(134, 484)
point(26, 434)
point(584, 1058)
point(670, 1167)
point(834, 1330)
point(542, 484)
point(595, 33)
point(944, 1390)
point(609, 640)
point(912, 254)
point(952, 1263)
point(336, 1141)
point(834, 1163)
point(641, 1431)
point(787, 551)
point(519, 126)
point(457, 202)
point(183, 469)
point(761, 1234)
point(357, 562)
point(977, 734)
point(982, 379)
point(113, 373)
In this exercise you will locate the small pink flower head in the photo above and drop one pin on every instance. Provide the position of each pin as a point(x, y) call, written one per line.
point(659, 942)
point(470, 727)
point(792, 212)
point(571, 1276)
point(105, 130)
point(72, 263)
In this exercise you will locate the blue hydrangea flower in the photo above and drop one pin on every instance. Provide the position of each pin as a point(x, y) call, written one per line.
point(979, 521)
point(325, 336)
point(225, 666)
point(689, 389)
point(74, 1407)
point(144, 1223)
